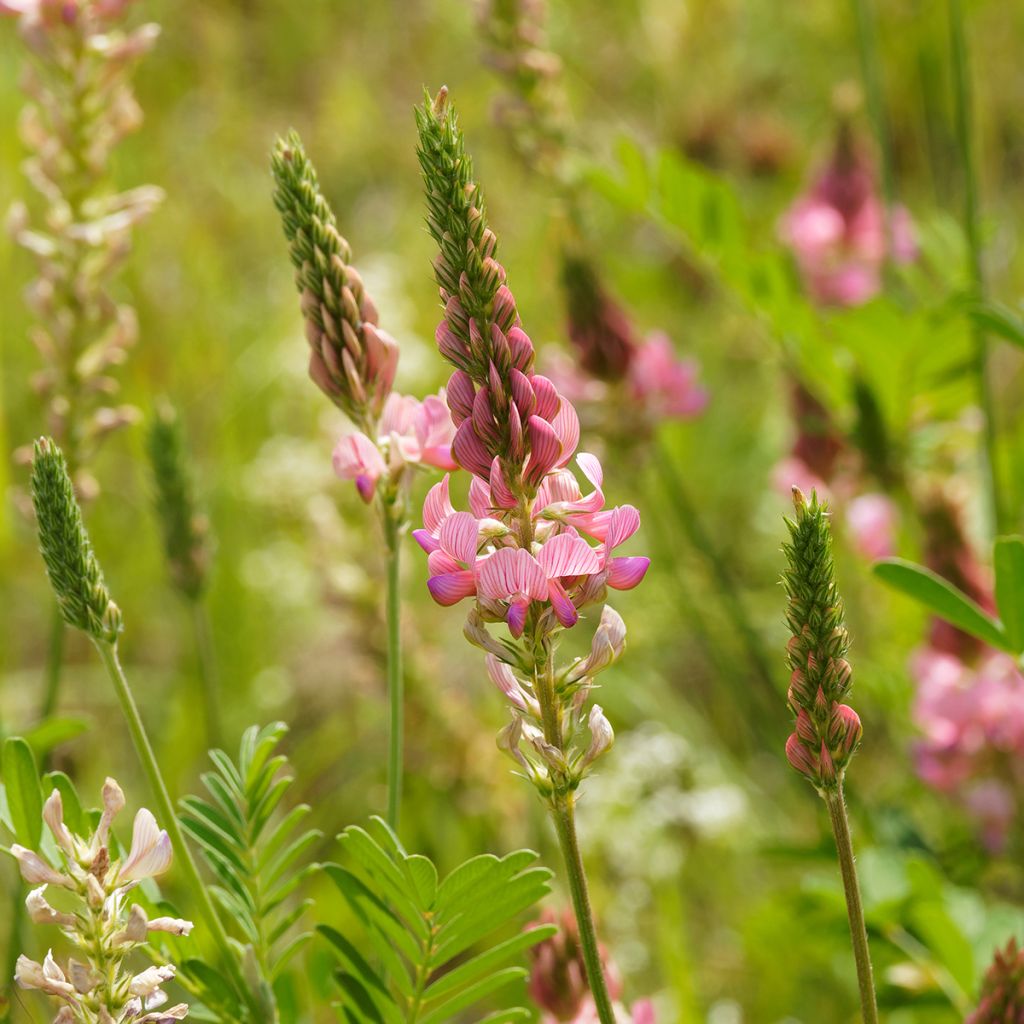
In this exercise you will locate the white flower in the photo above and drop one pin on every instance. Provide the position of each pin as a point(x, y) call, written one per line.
point(150, 854)
point(35, 870)
point(146, 983)
point(179, 1012)
point(602, 736)
point(40, 911)
point(47, 977)
point(113, 804)
point(53, 815)
point(174, 925)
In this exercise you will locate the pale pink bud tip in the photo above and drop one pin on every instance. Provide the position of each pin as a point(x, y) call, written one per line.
point(150, 853)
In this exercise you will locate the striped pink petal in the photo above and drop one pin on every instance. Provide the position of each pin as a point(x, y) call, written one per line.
point(469, 450)
point(500, 493)
point(523, 394)
point(512, 571)
point(439, 562)
point(480, 502)
point(568, 555)
point(624, 522)
point(458, 537)
point(548, 398)
point(516, 615)
point(425, 540)
point(545, 450)
point(522, 349)
point(437, 506)
point(567, 427)
point(626, 573)
point(460, 394)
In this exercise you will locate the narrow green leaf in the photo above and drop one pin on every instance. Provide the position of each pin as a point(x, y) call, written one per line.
point(942, 598)
point(1009, 565)
point(24, 794)
point(43, 737)
point(467, 997)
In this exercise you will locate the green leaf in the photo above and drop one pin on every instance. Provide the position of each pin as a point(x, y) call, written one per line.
point(24, 794)
point(942, 598)
point(1009, 565)
point(999, 320)
point(483, 988)
point(43, 737)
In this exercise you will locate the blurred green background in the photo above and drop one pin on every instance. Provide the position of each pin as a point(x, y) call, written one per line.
point(714, 881)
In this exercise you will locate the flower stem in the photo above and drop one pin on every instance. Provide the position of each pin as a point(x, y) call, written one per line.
point(198, 888)
point(396, 681)
point(963, 106)
point(564, 813)
point(209, 679)
point(54, 665)
point(836, 803)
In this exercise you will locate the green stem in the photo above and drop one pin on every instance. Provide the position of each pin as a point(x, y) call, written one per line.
point(13, 950)
point(564, 813)
point(836, 803)
point(963, 105)
point(197, 887)
point(209, 678)
point(54, 665)
point(396, 681)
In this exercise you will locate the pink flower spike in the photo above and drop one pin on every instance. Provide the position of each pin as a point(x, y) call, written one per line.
point(545, 450)
point(357, 458)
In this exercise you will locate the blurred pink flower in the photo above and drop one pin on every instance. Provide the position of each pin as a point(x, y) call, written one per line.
point(793, 472)
point(838, 230)
point(872, 520)
point(411, 433)
point(972, 725)
point(664, 384)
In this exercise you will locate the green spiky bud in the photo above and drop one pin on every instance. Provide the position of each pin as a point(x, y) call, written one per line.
point(185, 530)
point(827, 731)
point(75, 574)
point(351, 360)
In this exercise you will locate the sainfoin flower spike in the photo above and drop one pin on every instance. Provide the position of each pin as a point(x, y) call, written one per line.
point(535, 549)
point(104, 926)
point(1002, 992)
point(827, 731)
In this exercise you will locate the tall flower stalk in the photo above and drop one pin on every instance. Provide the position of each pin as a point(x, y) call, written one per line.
point(963, 105)
point(353, 361)
point(86, 604)
point(187, 550)
point(534, 551)
point(827, 731)
point(81, 105)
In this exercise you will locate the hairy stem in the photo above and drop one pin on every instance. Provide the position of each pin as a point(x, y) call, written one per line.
point(963, 105)
point(396, 681)
point(209, 677)
point(197, 887)
point(836, 803)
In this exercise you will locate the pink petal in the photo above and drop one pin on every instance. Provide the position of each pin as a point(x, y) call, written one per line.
point(458, 537)
point(568, 555)
point(460, 393)
point(437, 506)
point(548, 398)
point(624, 522)
point(626, 573)
point(425, 540)
point(480, 501)
point(450, 588)
point(522, 349)
point(500, 493)
point(516, 616)
point(565, 610)
point(511, 571)
point(523, 394)
point(356, 455)
point(440, 562)
point(469, 450)
point(567, 427)
point(545, 450)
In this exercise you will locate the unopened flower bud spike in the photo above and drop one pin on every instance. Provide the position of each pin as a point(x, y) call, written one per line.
point(827, 731)
point(85, 602)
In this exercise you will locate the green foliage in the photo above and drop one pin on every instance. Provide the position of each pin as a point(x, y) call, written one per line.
point(24, 793)
point(943, 599)
point(257, 854)
point(75, 574)
point(416, 967)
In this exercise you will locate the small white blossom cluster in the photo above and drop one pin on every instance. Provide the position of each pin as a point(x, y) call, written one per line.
point(101, 923)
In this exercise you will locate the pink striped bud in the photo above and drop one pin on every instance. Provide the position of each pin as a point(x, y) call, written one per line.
point(805, 727)
point(460, 394)
point(800, 757)
point(845, 730)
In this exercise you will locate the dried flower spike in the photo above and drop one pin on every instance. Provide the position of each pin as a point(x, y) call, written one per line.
point(75, 574)
point(81, 105)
